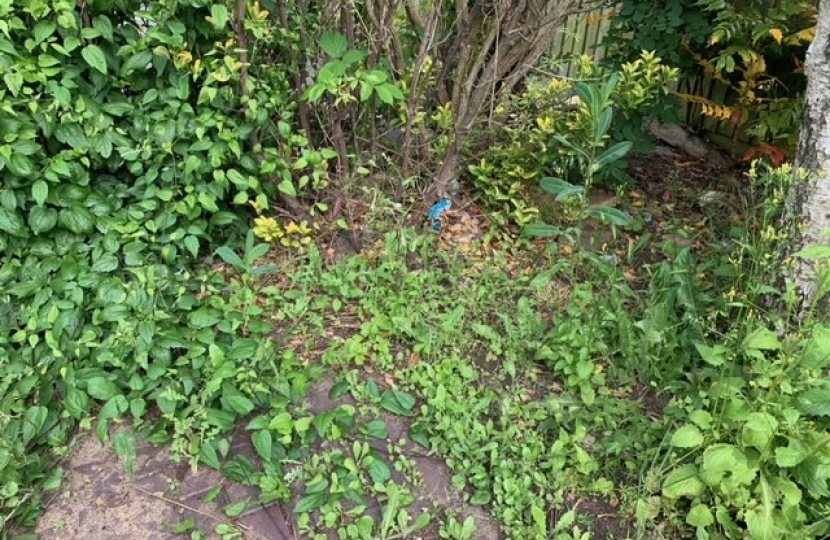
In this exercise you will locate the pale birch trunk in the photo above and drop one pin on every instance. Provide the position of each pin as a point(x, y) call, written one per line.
point(809, 204)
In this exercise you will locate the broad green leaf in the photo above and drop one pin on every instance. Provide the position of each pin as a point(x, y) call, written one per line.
point(213, 494)
point(14, 81)
point(263, 443)
point(366, 90)
point(118, 108)
point(720, 460)
point(219, 14)
point(257, 253)
point(468, 527)
point(235, 509)
point(138, 61)
point(26, 147)
point(398, 402)
point(566, 521)
point(184, 526)
point(94, 56)
point(761, 521)
point(40, 190)
point(209, 456)
point(334, 44)
point(33, 422)
point(353, 57)
point(554, 186)
point(229, 256)
point(603, 124)
point(114, 408)
point(43, 29)
point(612, 154)
point(239, 404)
point(567, 193)
point(77, 219)
point(287, 187)
point(688, 436)
point(283, 423)
point(702, 419)
point(311, 502)
point(50, 483)
point(21, 165)
point(759, 430)
point(540, 520)
point(384, 94)
point(788, 489)
point(379, 470)
point(612, 215)
point(376, 77)
point(376, 429)
point(700, 516)
point(683, 482)
point(813, 252)
point(815, 402)
point(12, 223)
point(792, 454)
point(76, 402)
point(106, 263)
point(395, 91)
point(762, 339)
point(138, 406)
point(313, 93)
point(221, 419)
point(816, 353)
point(714, 356)
point(586, 96)
point(104, 27)
point(101, 388)
point(124, 444)
point(42, 219)
point(237, 178)
point(192, 245)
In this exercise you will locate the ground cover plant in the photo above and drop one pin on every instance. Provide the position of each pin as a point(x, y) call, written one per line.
point(593, 355)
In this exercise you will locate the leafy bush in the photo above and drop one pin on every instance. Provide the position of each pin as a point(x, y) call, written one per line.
point(126, 143)
point(541, 129)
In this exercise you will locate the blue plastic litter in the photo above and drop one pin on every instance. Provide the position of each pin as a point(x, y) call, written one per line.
point(435, 212)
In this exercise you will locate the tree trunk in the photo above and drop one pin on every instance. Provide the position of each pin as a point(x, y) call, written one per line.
point(809, 203)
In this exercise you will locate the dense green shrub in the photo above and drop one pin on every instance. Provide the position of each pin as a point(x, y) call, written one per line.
point(532, 126)
point(127, 144)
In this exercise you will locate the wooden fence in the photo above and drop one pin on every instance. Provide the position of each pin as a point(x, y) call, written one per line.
point(584, 34)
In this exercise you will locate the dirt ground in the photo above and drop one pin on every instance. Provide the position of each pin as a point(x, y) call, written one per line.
point(100, 501)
